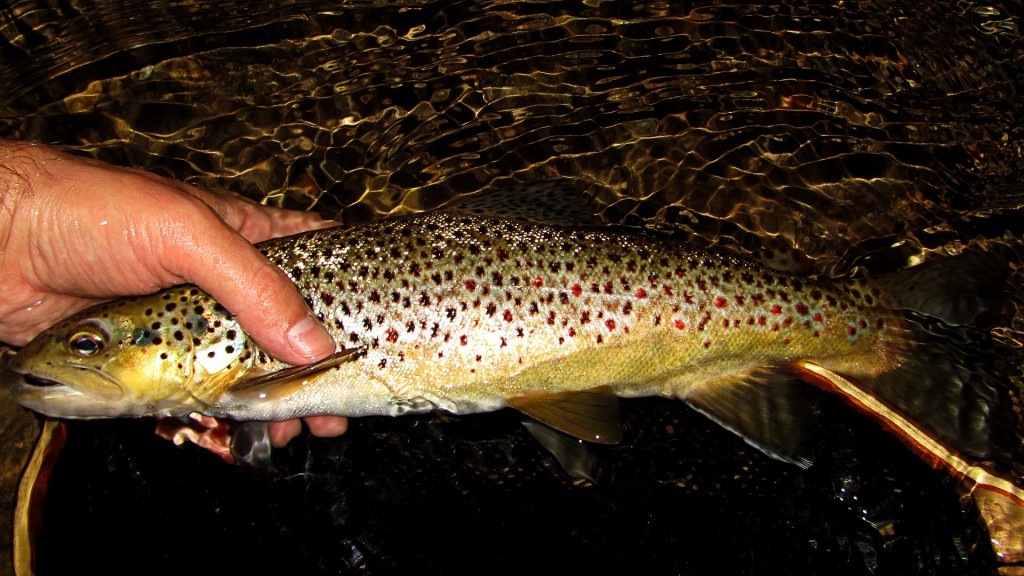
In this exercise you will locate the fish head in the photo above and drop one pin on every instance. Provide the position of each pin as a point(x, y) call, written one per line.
point(160, 355)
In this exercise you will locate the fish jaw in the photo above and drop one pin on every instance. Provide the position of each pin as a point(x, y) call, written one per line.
point(93, 395)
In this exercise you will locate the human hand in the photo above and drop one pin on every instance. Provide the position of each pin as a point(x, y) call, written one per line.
point(75, 232)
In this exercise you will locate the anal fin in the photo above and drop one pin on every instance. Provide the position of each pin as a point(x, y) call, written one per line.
point(765, 406)
point(591, 415)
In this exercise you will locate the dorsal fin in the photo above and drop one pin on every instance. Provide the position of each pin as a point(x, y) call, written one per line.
point(591, 415)
point(548, 202)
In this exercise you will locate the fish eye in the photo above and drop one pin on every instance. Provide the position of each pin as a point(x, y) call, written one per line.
point(85, 343)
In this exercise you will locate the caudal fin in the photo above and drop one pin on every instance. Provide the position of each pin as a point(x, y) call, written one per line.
point(964, 290)
point(941, 367)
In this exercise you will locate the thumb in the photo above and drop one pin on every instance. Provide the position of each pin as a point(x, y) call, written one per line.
point(266, 303)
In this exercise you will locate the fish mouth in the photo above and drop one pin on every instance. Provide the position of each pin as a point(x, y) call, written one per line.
point(31, 381)
point(55, 398)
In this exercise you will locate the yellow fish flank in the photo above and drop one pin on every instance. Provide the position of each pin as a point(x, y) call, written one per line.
point(470, 314)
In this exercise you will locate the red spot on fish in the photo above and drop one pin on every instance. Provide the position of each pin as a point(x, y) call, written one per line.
point(608, 288)
point(862, 324)
point(577, 290)
point(666, 290)
point(818, 317)
point(610, 324)
point(776, 309)
point(572, 332)
point(470, 285)
point(851, 330)
point(463, 340)
point(721, 302)
point(507, 315)
point(641, 293)
point(392, 335)
point(680, 324)
point(761, 321)
point(538, 282)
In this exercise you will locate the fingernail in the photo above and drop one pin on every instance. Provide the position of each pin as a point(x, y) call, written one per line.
point(309, 339)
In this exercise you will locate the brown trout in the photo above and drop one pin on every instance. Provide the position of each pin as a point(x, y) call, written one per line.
point(468, 314)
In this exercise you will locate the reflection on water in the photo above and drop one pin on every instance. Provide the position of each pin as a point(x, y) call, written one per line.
point(862, 135)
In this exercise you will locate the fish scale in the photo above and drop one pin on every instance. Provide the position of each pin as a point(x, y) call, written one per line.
point(444, 303)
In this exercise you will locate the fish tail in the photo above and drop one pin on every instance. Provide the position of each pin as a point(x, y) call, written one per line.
point(938, 364)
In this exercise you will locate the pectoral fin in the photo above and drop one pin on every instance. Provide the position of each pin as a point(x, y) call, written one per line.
point(591, 415)
point(283, 383)
point(765, 406)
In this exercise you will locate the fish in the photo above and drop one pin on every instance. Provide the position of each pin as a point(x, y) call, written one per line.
point(465, 313)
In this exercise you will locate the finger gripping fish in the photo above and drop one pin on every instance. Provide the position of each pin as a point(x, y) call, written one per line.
point(468, 314)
